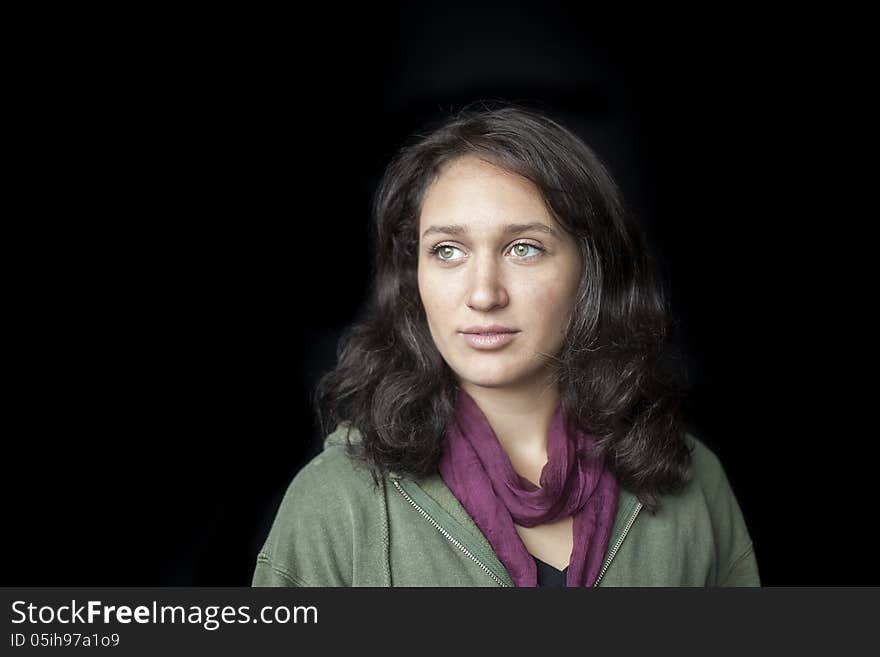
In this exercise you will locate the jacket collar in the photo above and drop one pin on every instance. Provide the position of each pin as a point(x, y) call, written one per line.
point(463, 527)
point(436, 498)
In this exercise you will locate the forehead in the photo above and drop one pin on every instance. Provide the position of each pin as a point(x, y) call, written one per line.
point(471, 191)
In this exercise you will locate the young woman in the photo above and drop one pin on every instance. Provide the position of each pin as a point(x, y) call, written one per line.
point(505, 412)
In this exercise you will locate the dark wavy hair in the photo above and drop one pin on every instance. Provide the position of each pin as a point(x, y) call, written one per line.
point(619, 376)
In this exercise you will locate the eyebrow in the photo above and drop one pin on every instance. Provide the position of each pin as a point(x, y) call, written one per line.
point(510, 229)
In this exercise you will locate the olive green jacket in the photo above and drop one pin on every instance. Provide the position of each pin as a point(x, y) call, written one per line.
point(335, 527)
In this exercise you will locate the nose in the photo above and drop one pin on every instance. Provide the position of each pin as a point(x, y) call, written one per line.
point(487, 290)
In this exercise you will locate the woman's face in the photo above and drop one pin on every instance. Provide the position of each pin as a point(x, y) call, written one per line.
point(490, 254)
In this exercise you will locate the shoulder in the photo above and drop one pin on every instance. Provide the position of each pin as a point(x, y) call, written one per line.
point(328, 507)
point(707, 488)
point(707, 511)
point(708, 478)
point(332, 479)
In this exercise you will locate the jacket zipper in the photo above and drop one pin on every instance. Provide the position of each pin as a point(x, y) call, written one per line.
point(616, 547)
point(452, 540)
point(447, 535)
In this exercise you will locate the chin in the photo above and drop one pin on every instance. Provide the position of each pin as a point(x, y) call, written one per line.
point(493, 383)
point(488, 379)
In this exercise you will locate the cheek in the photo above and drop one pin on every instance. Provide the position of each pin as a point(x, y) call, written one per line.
point(427, 297)
point(424, 289)
point(553, 306)
point(433, 301)
point(434, 294)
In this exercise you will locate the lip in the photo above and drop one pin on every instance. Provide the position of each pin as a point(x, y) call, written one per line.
point(490, 337)
point(493, 328)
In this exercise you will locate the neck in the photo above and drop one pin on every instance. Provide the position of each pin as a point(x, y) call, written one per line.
point(520, 417)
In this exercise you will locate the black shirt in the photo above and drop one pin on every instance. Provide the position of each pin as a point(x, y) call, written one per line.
point(548, 576)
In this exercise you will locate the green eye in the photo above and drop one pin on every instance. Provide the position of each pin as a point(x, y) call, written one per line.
point(445, 252)
point(522, 250)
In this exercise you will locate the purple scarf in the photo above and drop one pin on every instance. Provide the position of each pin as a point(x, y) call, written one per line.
point(478, 471)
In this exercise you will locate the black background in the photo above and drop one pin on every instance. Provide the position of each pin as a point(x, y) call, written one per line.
point(194, 215)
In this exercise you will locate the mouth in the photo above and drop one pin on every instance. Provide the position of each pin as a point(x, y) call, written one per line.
point(486, 340)
point(494, 329)
point(488, 332)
